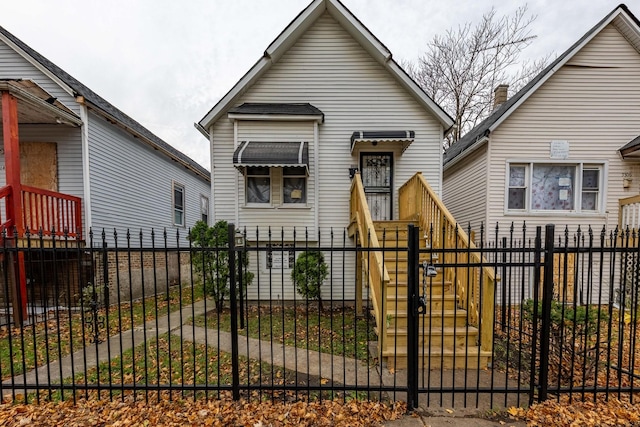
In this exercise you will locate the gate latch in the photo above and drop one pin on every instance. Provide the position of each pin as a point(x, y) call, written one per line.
point(428, 270)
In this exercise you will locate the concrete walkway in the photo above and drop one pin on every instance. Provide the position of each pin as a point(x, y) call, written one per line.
point(337, 369)
point(92, 355)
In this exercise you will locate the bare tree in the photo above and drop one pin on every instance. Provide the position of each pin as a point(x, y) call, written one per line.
point(462, 67)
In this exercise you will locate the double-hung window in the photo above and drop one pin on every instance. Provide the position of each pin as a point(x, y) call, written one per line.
point(178, 204)
point(294, 185)
point(204, 209)
point(568, 187)
point(258, 185)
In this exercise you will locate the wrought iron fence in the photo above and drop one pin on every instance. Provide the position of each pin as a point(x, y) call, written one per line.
point(247, 315)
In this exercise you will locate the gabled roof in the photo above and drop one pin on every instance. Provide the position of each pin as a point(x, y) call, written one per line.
point(290, 35)
point(621, 17)
point(105, 108)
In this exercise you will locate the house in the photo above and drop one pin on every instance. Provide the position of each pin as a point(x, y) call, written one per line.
point(326, 98)
point(565, 149)
point(323, 138)
point(73, 163)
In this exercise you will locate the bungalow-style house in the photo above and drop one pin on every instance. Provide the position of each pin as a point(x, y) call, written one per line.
point(325, 132)
point(565, 149)
point(73, 163)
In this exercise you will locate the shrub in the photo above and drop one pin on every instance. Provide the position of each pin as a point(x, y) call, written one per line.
point(212, 262)
point(308, 273)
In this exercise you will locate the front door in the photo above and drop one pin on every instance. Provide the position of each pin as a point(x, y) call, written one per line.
point(377, 173)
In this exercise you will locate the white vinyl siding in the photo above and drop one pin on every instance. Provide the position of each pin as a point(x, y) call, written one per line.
point(465, 191)
point(327, 68)
point(593, 102)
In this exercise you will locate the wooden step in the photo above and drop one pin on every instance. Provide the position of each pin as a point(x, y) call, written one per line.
point(437, 338)
point(431, 319)
point(469, 358)
point(398, 286)
point(435, 303)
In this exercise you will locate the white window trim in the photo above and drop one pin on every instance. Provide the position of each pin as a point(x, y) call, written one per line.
point(279, 192)
point(306, 191)
point(204, 197)
point(580, 164)
point(175, 185)
point(246, 187)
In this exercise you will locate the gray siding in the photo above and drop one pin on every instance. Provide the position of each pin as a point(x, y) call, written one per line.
point(131, 184)
point(15, 66)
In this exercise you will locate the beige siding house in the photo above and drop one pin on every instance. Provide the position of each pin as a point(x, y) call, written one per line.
point(325, 99)
point(565, 149)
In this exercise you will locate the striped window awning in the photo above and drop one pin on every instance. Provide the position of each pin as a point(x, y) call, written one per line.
point(271, 154)
point(402, 137)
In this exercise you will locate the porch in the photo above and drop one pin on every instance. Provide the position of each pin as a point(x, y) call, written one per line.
point(33, 214)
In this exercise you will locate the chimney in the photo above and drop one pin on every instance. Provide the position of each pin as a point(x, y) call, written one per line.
point(500, 95)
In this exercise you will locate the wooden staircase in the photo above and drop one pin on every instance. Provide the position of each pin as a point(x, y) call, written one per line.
point(445, 337)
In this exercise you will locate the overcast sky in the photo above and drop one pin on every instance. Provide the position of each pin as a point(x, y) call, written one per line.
point(166, 63)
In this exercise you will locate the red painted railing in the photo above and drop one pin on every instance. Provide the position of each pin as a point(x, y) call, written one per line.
point(6, 218)
point(49, 211)
point(54, 213)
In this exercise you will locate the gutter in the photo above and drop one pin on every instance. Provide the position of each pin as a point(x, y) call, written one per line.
point(201, 129)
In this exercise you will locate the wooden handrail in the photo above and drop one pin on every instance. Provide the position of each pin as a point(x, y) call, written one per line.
point(474, 279)
point(373, 260)
point(629, 212)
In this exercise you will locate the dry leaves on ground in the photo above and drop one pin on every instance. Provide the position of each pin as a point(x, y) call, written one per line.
point(199, 413)
point(612, 412)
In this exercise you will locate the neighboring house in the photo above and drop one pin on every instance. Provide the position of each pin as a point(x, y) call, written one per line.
point(565, 149)
point(324, 100)
point(74, 162)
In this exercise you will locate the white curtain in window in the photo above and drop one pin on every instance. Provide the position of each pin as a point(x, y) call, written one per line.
point(552, 187)
point(258, 190)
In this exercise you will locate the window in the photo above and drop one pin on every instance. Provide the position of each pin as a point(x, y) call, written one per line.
point(204, 209)
point(590, 189)
point(178, 204)
point(258, 185)
point(280, 256)
point(554, 187)
point(294, 185)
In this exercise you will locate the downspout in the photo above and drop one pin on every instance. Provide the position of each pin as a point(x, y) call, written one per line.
point(212, 205)
point(86, 173)
point(316, 177)
point(235, 175)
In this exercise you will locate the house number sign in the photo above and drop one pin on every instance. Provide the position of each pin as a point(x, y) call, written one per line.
point(559, 149)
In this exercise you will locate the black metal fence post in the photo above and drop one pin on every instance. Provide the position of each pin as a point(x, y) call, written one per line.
point(412, 317)
point(547, 296)
point(235, 375)
point(537, 265)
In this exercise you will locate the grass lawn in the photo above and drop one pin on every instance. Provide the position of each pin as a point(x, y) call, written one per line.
point(168, 360)
point(335, 331)
point(22, 349)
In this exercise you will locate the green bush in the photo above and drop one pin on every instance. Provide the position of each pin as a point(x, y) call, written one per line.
point(583, 319)
point(308, 273)
point(212, 261)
